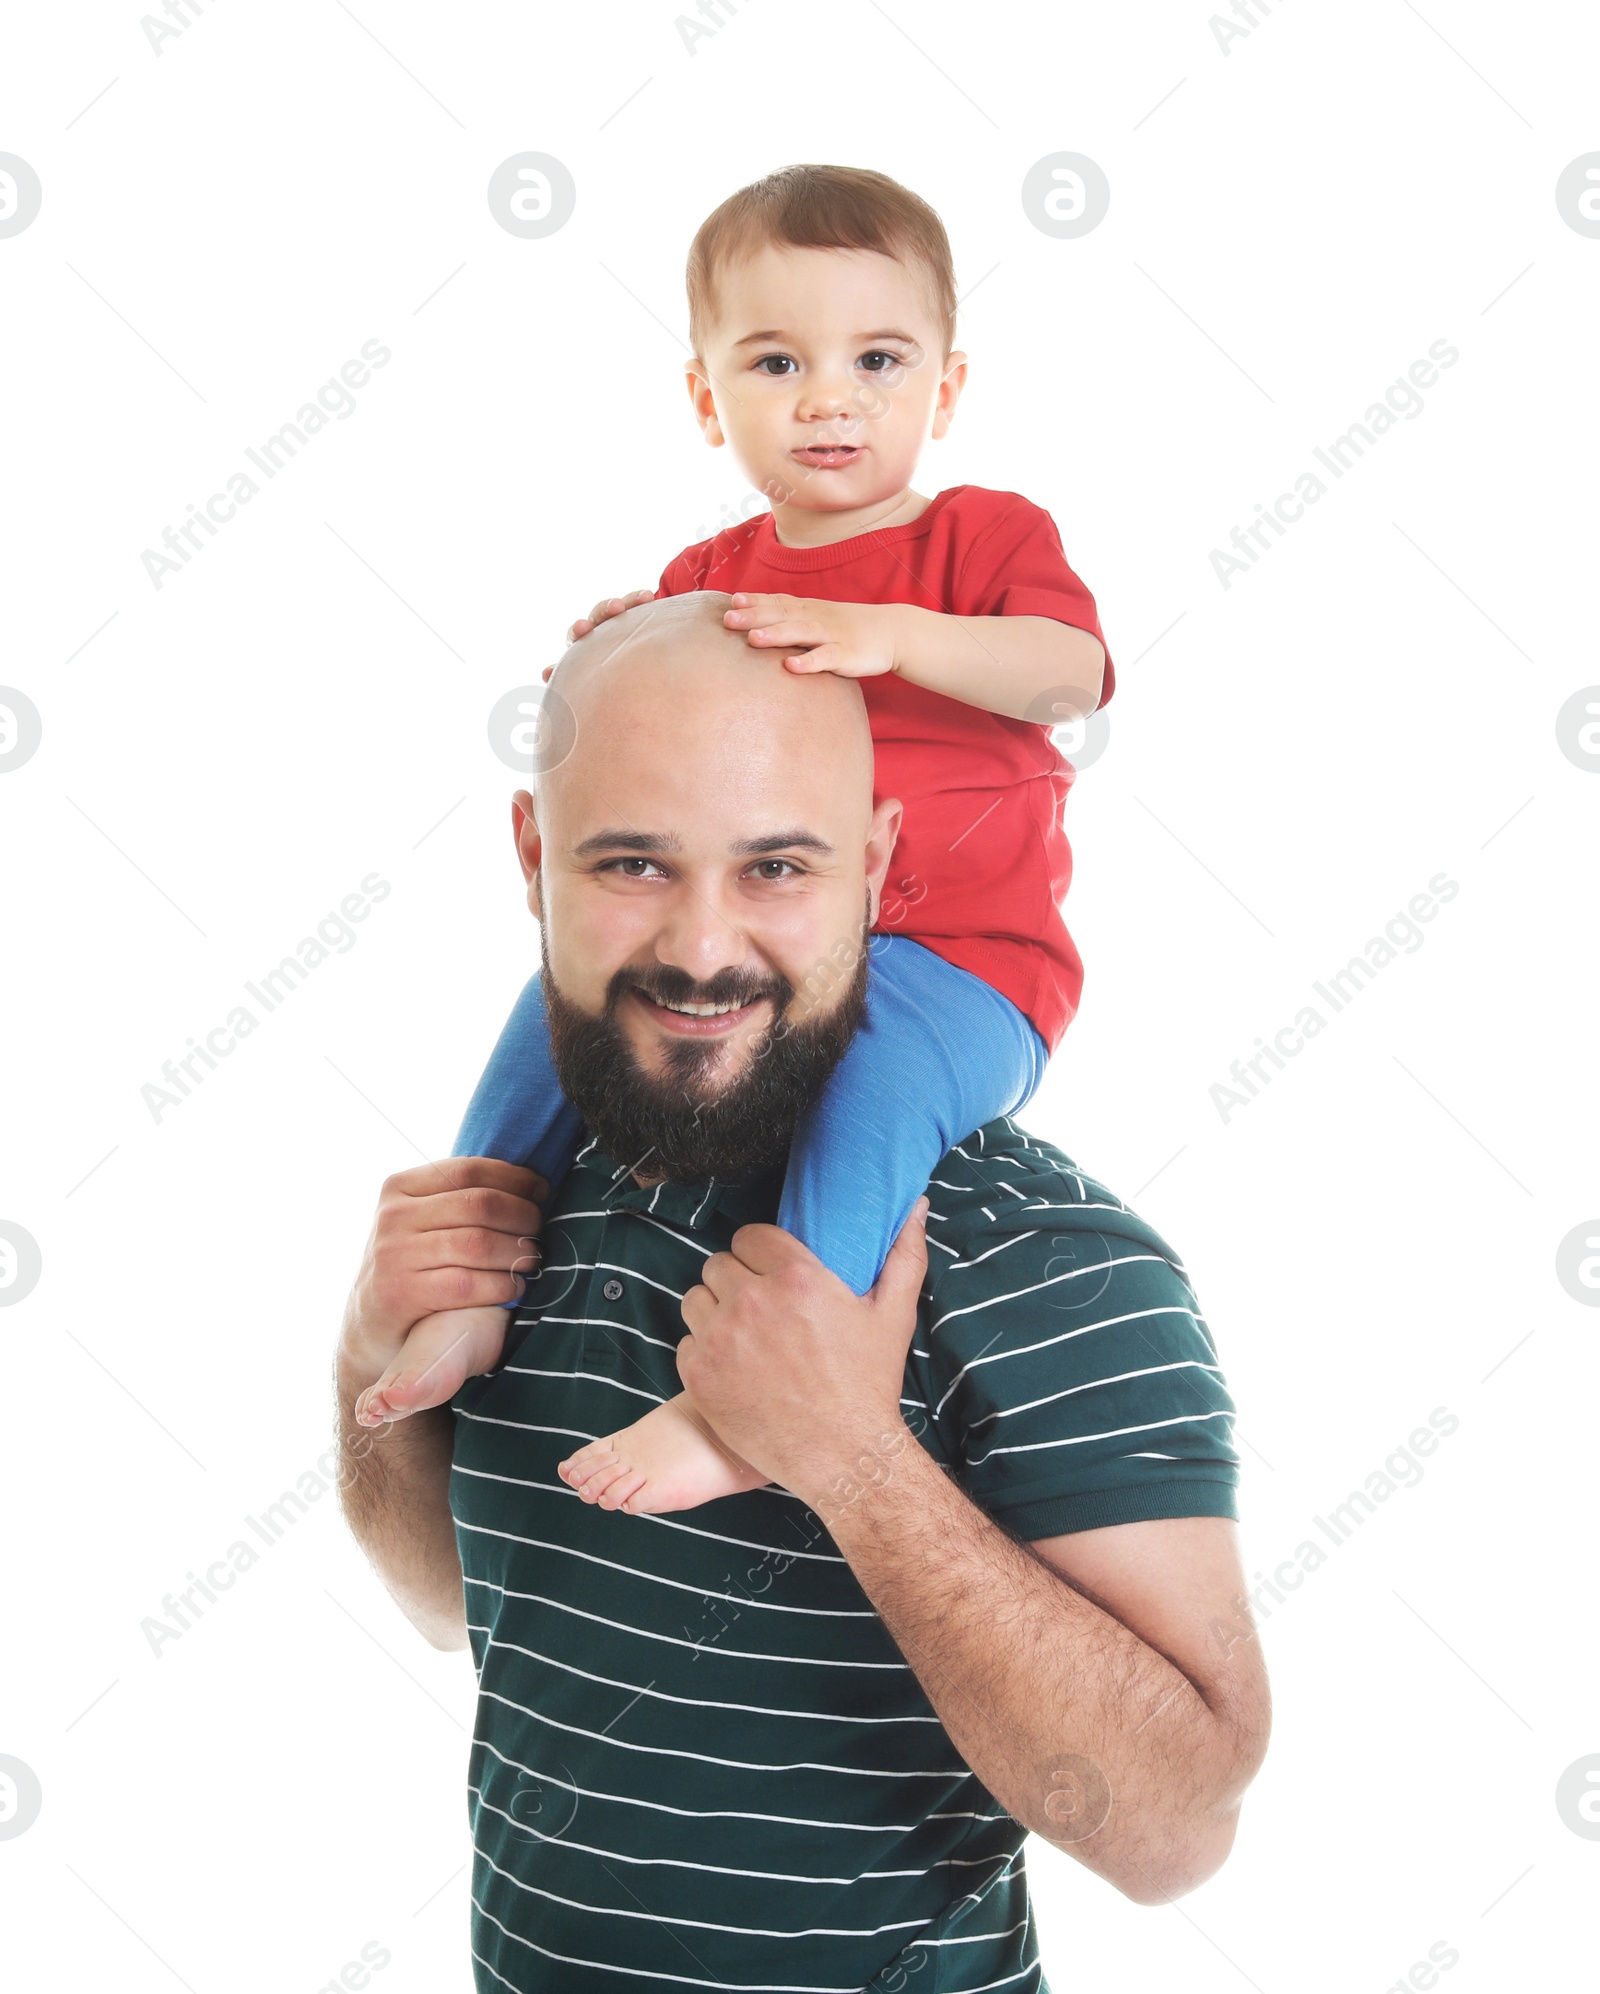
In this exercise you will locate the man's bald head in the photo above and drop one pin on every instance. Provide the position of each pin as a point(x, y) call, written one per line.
point(671, 677)
point(705, 858)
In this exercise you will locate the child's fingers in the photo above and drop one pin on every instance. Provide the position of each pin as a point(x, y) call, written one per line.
point(611, 605)
point(823, 658)
point(751, 609)
point(787, 630)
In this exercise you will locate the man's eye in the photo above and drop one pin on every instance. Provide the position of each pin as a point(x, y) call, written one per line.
point(775, 364)
point(774, 868)
point(646, 866)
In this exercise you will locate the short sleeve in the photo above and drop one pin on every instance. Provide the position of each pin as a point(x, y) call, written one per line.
point(1081, 1390)
point(685, 572)
point(1017, 567)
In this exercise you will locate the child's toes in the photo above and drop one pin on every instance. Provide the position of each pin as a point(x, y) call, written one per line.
point(598, 1475)
point(579, 1469)
point(382, 1402)
point(625, 1483)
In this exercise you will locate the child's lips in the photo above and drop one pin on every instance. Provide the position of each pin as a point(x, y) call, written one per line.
point(829, 456)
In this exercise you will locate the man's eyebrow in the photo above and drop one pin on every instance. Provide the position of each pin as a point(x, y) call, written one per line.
point(782, 841)
point(648, 842)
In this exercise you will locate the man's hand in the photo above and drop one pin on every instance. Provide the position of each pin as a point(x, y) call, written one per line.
point(450, 1235)
point(453, 1235)
point(858, 640)
point(798, 1375)
point(604, 610)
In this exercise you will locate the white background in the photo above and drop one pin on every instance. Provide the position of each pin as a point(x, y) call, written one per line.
point(1293, 222)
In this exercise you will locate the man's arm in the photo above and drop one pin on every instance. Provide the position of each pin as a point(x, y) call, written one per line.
point(446, 1236)
point(1103, 1686)
point(1106, 1688)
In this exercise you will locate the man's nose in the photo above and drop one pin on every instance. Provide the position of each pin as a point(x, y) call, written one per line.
point(697, 936)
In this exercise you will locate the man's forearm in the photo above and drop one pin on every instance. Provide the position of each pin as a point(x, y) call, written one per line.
point(395, 1487)
point(1032, 1680)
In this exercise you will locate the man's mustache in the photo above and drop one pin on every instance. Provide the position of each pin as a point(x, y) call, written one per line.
point(666, 985)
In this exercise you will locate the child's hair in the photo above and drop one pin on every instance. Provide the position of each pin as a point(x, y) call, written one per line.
point(821, 207)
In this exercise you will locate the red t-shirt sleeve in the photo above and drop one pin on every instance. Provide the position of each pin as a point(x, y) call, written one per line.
point(1016, 567)
point(685, 572)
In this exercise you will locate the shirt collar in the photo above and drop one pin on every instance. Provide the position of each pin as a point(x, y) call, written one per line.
point(753, 1201)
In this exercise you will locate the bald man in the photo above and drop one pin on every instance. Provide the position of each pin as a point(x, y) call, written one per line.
point(693, 1012)
point(990, 1582)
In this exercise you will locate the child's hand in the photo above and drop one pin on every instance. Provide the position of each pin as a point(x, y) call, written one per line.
point(854, 639)
point(613, 605)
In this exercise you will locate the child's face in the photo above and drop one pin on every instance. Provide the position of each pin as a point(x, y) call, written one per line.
point(824, 373)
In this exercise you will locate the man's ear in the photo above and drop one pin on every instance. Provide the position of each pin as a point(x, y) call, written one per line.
point(698, 377)
point(881, 834)
point(955, 379)
point(525, 831)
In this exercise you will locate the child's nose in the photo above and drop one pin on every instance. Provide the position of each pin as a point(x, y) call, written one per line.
point(829, 398)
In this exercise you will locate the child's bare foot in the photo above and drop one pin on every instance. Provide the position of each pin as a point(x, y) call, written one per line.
point(670, 1459)
point(438, 1356)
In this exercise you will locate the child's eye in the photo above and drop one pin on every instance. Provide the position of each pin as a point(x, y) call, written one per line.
point(880, 363)
point(775, 364)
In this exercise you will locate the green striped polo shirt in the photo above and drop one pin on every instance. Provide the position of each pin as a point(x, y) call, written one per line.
point(699, 1759)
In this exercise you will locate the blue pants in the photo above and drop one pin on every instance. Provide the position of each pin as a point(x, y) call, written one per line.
point(938, 1055)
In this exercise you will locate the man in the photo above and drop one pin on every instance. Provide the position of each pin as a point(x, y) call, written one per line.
point(791, 1739)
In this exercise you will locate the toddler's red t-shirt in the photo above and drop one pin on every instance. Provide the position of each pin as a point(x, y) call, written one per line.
point(982, 863)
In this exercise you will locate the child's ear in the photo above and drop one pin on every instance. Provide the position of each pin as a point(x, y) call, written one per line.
point(955, 379)
point(701, 400)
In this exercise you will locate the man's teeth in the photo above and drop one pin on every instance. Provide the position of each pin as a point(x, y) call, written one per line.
point(699, 1010)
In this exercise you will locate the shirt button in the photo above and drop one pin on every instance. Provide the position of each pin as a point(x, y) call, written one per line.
point(612, 1291)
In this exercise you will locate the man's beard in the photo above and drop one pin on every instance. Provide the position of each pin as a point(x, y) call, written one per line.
point(669, 1125)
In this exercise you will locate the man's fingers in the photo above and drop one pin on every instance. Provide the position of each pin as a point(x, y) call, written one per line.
point(448, 1211)
point(476, 1246)
point(452, 1173)
point(900, 1283)
point(408, 1294)
point(763, 1249)
point(723, 1275)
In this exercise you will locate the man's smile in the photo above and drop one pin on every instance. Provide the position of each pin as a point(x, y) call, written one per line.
point(691, 1020)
